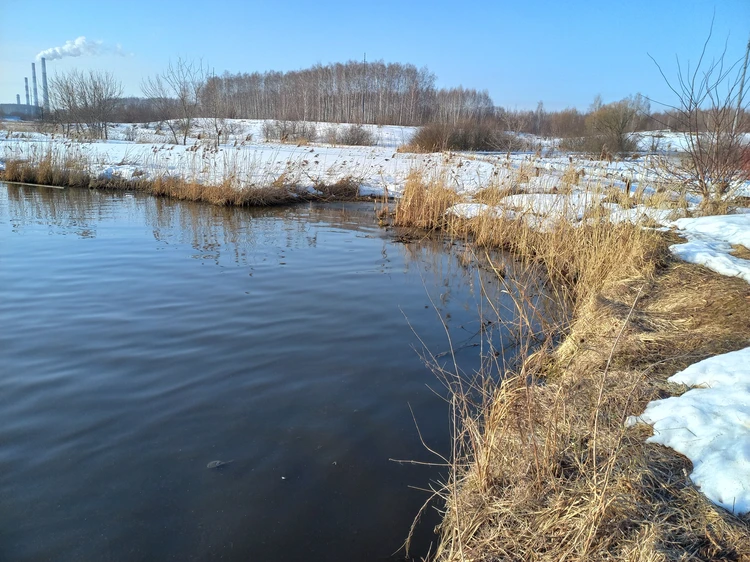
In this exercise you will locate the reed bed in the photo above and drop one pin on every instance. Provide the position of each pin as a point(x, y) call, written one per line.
point(542, 467)
point(200, 173)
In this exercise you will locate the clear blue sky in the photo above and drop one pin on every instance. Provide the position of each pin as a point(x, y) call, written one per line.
point(560, 52)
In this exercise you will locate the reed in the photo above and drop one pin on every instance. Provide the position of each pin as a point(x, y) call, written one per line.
point(542, 467)
point(236, 178)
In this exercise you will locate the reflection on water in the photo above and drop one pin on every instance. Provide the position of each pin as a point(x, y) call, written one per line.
point(144, 338)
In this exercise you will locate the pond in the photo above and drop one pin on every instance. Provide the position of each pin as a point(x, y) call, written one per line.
point(143, 338)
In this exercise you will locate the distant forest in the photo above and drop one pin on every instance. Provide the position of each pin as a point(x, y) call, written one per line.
point(354, 92)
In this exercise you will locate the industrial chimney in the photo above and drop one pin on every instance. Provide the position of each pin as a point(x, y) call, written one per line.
point(33, 82)
point(45, 92)
point(26, 81)
point(18, 99)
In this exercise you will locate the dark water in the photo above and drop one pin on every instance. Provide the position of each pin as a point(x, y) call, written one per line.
point(142, 338)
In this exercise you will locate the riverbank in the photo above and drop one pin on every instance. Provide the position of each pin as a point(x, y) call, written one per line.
point(543, 466)
point(60, 169)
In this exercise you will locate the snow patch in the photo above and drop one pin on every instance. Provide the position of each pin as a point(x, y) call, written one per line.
point(710, 241)
point(710, 425)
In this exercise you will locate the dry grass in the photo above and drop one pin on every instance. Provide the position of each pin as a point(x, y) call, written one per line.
point(424, 201)
point(542, 467)
point(238, 183)
point(224, 194)
point(739, 251)
point(344, 189)
point(570, 178)
point(48, 169)
point(619, 197)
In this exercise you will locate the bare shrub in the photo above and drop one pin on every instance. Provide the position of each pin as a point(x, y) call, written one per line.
point(468, 136)
point(331, 135)
point(289, 131)
point(130, 133)
point(351, 135)
point(610, 126)
point(430, 138)
point(709, 108)
point(356, 135)
point(175, 95)
point(87, 100)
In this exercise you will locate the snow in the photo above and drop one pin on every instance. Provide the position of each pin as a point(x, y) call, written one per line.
point(710, 241)
point(710, 425)
point(472, 210)
point(734, 229)
point(378, 169)
point(553, 205)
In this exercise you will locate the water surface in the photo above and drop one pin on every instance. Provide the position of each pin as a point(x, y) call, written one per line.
point(143, 338)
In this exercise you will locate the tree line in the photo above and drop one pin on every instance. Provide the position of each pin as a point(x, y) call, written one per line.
point(352, 92)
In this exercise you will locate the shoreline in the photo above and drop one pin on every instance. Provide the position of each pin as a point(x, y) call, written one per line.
point(629, 331)
point(184, 190)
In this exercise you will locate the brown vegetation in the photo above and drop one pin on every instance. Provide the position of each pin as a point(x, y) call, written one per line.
point(71, 169)
point(544, 469)
point(542, 466)
point(487, 135)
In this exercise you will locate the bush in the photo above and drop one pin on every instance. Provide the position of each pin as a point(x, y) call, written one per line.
point(464, 136)
point(356, 135)
point(609, 127)
point(289, 131)
point(353, 135)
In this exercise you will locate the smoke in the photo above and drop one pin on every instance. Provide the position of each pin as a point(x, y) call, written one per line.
point(80, 47)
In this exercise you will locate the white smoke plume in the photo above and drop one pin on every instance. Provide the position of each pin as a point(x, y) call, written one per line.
point(80, 47)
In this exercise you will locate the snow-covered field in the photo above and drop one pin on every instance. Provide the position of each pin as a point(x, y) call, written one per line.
point(711, 426)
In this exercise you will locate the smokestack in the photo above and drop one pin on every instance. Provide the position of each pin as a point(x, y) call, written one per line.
point(26, 80)
point(33, 82)
point(45, 92)
point(18, 99)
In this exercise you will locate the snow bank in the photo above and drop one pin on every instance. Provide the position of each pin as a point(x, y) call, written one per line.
point(734, 229)
point(710, 241)
point(710, 425)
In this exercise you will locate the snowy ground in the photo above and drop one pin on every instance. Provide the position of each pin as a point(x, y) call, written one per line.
point(710, 241)
point(142, 151)
point(711, 426)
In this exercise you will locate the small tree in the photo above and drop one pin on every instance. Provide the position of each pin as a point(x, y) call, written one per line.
point(708, 109)
point(216, 108)
point(176, 95)
point(610, 126)
point(87, 100)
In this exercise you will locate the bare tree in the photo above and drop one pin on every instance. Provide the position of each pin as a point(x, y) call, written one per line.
point(87, 100)
point(176, 94)
point(708, 107)
point(215, 108)
point(610, 125)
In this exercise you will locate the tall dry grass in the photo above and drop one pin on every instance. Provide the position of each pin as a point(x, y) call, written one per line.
point(425, 200)
point(542, 467)
point(237, 178)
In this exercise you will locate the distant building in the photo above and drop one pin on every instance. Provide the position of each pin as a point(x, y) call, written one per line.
point(20, 111)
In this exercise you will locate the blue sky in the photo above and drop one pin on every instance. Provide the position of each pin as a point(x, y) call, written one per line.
point(560, 52)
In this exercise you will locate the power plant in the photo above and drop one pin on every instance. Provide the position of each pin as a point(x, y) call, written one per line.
point(45, 93)
point(33, 81)
point(29, 110)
